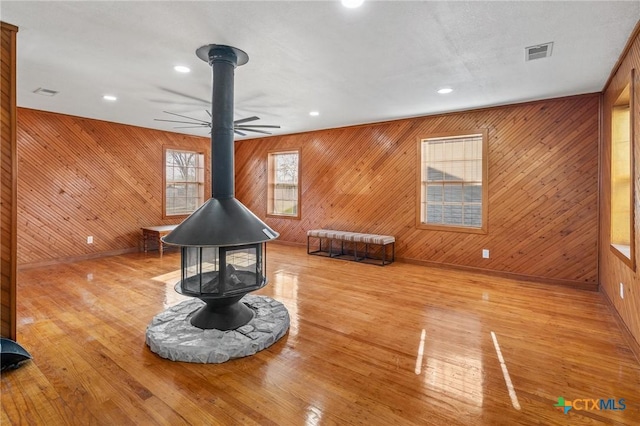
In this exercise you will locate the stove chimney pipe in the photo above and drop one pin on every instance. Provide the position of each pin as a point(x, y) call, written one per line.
point(223, 59)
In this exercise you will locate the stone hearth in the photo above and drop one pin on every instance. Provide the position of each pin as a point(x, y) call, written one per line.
point(171, 335)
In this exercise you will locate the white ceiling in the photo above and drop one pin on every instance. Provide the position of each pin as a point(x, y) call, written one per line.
point(382, 61)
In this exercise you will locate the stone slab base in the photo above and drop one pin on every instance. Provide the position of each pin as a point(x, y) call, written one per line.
point(171, 335)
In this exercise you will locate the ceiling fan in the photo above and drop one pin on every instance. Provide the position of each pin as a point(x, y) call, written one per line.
point(239, 126)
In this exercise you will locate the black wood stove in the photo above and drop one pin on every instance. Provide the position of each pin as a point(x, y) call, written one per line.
point(223, 244)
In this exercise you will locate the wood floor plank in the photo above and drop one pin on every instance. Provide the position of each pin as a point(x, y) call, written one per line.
point(399, 344)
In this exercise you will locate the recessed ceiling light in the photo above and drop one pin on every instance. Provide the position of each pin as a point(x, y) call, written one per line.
point(314, 113)
point(445, 90)
point(109, 98)
point(182, 68)
point(352, 4)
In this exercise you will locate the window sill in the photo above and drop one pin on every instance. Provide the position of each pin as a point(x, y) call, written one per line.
point(624, 253)
point(283, 216)
point(180, 216)
point(451, 228)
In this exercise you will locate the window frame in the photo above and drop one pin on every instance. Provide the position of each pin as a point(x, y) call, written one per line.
point(202, 184)
point(270, 184)
point(630, 261)
point(483, 229)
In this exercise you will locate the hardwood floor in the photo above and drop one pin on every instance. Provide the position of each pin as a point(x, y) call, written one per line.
point(400, 344)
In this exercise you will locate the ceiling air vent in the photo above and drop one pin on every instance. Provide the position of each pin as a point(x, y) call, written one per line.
point(538, 51)
point(45, 92)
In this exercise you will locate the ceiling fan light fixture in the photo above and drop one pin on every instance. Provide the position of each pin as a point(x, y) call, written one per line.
point(182, 69)
point(352, 4)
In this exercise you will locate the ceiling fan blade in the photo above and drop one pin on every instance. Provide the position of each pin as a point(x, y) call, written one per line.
point(254, 130)
point(266, 126)
point(165, 102)
point(238, 127)
point(184, 95)
point(184, 116)
point(245, 120)
point(203, 124)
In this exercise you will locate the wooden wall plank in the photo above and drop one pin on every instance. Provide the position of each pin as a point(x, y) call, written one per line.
point(8, 160)
point(81, 177)
point(613, 270)
point(543, 182)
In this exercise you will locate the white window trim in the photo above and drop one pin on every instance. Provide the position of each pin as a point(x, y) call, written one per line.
point(485, 192)
point(270, 185)
point(201, 181)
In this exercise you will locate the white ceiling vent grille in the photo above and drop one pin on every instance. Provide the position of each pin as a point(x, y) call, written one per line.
point(538, 51)
point(45, 92)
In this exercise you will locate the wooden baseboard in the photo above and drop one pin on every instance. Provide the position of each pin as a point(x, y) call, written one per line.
point(76, 258)
point(633, 344)
point(511, 275)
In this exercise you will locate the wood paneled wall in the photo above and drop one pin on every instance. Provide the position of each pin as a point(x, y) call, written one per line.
point(613, 270)
point(543, 182)
point(81, 177)
point(8, 158)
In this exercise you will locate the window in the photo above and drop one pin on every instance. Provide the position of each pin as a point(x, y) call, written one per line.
point(283, 184)
point(622, 235)
point(453, 175)
point(184, 181)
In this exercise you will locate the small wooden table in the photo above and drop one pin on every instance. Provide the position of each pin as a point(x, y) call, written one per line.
point(155, 233)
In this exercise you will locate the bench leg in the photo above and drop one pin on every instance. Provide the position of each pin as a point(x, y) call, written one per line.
point(309, 245)
point(331, 254)
point(384, 253)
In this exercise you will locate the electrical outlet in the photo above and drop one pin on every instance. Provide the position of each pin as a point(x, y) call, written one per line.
point(90, 239)
point(485, 253)
point(621, 291)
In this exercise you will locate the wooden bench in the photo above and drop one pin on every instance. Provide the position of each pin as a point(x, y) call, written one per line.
point(155, 233)
point(384, 242)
